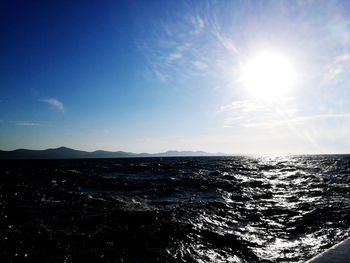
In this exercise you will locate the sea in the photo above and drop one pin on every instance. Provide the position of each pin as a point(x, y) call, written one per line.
point(183, 209)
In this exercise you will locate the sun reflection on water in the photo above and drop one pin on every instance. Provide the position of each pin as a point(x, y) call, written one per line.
point(270, 209)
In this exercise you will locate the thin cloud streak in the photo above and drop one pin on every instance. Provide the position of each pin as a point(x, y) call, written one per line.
point(54, 103)
point(276, 123)
point(242, 105)
point(25, 123)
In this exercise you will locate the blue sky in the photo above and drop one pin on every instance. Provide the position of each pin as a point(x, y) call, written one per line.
point(150, 76)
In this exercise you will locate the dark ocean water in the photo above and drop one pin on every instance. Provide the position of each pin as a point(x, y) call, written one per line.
point(205, 209)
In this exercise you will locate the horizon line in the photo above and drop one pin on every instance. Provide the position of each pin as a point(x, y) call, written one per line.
point(165, 151)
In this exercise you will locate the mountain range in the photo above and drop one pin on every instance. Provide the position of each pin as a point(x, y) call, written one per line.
point(68, 153)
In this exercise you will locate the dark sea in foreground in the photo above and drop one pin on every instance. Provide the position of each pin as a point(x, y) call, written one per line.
point(205, 209)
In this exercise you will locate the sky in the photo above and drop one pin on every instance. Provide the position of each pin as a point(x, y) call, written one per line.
point(151, 76)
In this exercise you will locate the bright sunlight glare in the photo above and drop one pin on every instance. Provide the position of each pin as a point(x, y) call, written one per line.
point(268, 76)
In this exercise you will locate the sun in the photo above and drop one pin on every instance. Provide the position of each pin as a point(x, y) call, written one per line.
point(268, 76)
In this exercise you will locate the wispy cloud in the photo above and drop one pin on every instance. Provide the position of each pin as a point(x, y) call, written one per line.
point(174, 56)
point(186, 43)
point(54, 103)
point(273, 123)
point(339, 67)
point(198, 24)
point(160, 75)
point(226, 42)
point(26, 123)
point(251, 114)
point(242, 105)
point(232, 121)
point(200, 65)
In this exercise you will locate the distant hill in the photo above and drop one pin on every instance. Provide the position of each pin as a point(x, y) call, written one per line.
point(67, 153)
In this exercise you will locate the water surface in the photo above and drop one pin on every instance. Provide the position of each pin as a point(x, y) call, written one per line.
point(205, 209)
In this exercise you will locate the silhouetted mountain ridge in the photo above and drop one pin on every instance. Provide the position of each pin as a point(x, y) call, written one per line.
point(68, 153)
